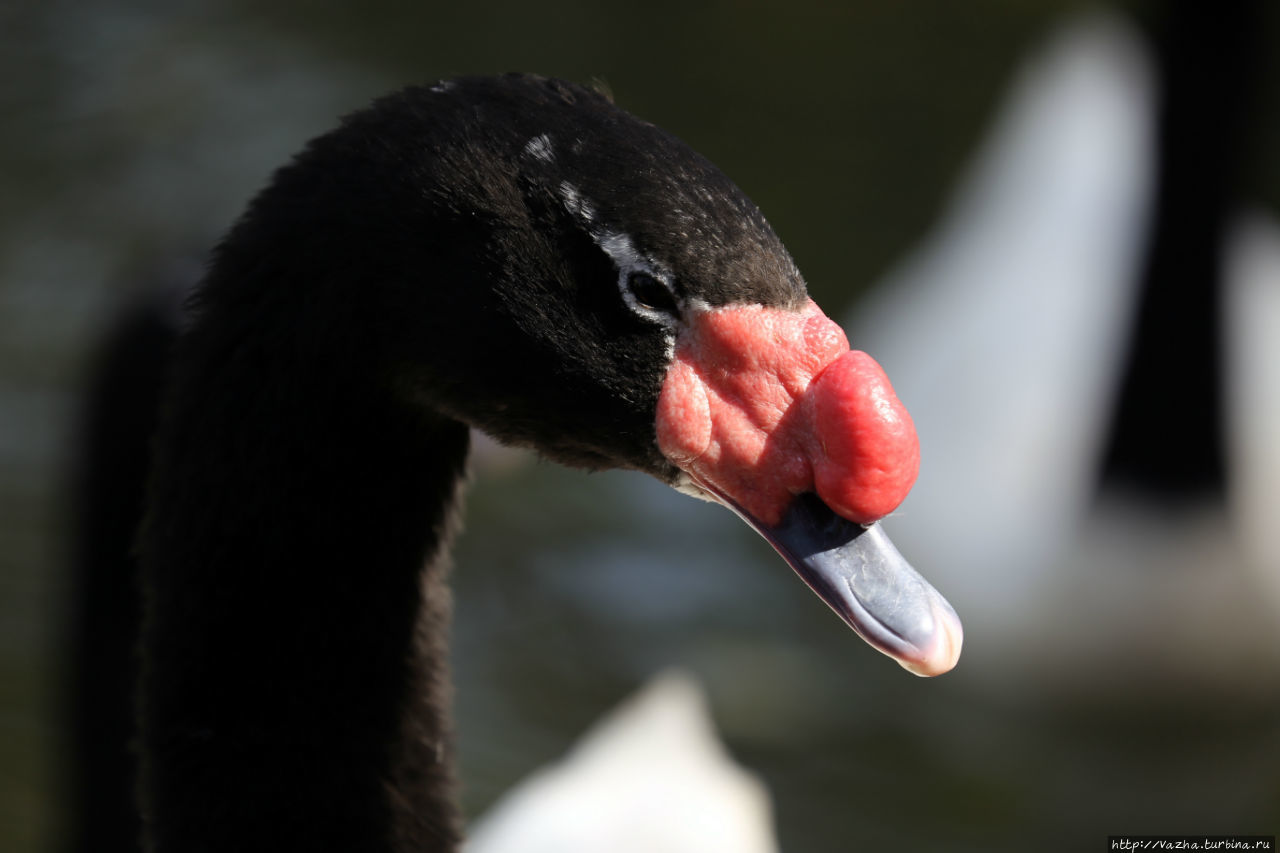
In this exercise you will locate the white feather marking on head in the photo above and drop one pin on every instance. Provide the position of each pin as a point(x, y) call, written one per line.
point(626, 258)
point(539, 147)
point(576, 204)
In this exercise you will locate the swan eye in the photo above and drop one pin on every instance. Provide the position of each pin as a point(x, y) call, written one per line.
point(651, 294)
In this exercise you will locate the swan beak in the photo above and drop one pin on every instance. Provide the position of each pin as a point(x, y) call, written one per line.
point(859, 573)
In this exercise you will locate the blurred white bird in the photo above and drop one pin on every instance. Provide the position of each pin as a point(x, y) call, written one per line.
point(1005, 335)
point(651, 777)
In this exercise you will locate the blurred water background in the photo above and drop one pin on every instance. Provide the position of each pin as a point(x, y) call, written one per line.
point(132, 134)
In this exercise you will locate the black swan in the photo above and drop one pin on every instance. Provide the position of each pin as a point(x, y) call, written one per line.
point(108, 487)
point(515, 254)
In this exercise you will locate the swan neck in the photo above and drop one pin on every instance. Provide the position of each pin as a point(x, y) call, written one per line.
point(295, 666)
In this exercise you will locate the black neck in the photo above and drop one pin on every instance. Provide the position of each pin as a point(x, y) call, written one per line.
point(295, 673)
point(1167, 434)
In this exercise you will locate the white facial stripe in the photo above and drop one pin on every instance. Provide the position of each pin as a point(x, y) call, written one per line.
point(697, 305)
point(577, 205)
point(540, 148)
point(619, 247)
point(625, 257)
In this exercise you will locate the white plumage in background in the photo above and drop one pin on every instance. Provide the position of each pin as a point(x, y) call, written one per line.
point(650, 776)
point(1006, 334)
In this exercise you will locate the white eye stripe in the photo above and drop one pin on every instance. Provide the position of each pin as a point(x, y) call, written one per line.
point(619, 247)
point(649, 312)
point(629, 262)
point(626, 258)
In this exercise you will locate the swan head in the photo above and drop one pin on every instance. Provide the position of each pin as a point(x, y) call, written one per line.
point(569, 278)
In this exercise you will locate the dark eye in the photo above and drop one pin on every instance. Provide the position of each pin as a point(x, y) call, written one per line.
point(652, 294)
